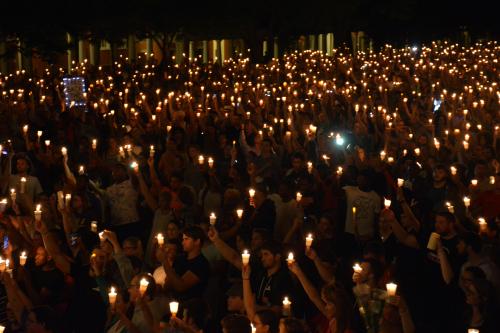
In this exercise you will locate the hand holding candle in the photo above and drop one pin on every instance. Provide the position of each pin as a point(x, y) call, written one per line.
point(245, 258)
point(213, 219)
point(309, 240)
point(387, 203)
point(112, 296)
point(143, 285)
point(290, 260)
point(286, 306)
point(22, 258)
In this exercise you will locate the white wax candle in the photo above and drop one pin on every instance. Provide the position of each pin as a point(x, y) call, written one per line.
point(93, 226)
point(151, 151)
point(22, 258)
point(210, 162)
point(23, 185)
point(466, 202)
point(239, 213)
point(309, 240)
point(400, 182)
point(112, 296)
point(290, 258)
point(387, 203)
point(201, 160)
point(357, 267)
point(245, 257)
point(391, 289)
point(174, 308)
point(13, 194)
point(213, 218)
point(309, 167)
point(143, 285)
point(64, 151)
point(160, 239)
point(298, 196)
point(483, 225)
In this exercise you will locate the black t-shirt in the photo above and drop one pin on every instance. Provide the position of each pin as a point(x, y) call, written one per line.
point(200, 267)
point(265, 216)
point(270, 290)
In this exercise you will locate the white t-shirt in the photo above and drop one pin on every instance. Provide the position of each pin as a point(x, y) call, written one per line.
point(367, 207)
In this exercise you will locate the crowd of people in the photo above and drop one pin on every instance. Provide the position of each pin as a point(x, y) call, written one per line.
point(314, 193)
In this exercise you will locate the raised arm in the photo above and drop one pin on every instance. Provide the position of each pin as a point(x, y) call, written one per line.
point(311, 292)
point(227, 251)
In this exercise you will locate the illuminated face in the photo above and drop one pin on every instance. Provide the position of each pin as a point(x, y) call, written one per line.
point(41, 256)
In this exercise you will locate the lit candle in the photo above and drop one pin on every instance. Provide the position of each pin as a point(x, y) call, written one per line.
point(357, 268)
point(39, 135)
point(417, 151)
point(245, 257)
point(201, 160)
point(13, 194)
point(64, 151)
point(38, 212)
point(391, 289)
point(143, 285)
point(387, 203)
point(286, 306)
point(401, 182)
point(151, 151)
point(174, 308)
point(466, 202)
point(3, 205)
point(472, 330)
point(298, 197)
point(135, 166)
point(453, 171)
point(23, 185)
point(210, 162)
point(93, 226)
point(160, 239)
point(466, 145)
point(213, 218)
point(2, 329)
point(22, 258)
point(492, 180)
point(309, 240)
point(239, 213)
point(382, 155)
point(47, 143)
point(112, 296)
point(483, 225)
point(67, 199)
point(94, 144)
point(473, 182)
point(25, 129)
point(309, 167)
point(339, 171)
point(290, 258)
point(81, 170)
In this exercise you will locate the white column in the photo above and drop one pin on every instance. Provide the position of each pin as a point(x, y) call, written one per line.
point(3, 63)
point(223, 50)
point(276, 49)
point(92, 53)
point(149, 47)
point(265, 48)
point(70, 52)
point(81, 53)
point(19, 57)
point(205, 51)
point(321, 43)
point(361, 41)
point(312, 42)
point(130, 47)
point(179, 50)
point(329, 47)
point(191, 49)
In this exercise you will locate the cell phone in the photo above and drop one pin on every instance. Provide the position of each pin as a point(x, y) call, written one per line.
point(437, 104)
point(5, 242)
point(73, 237)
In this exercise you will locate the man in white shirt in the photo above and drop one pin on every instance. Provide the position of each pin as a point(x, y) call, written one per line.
point(361, 221)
